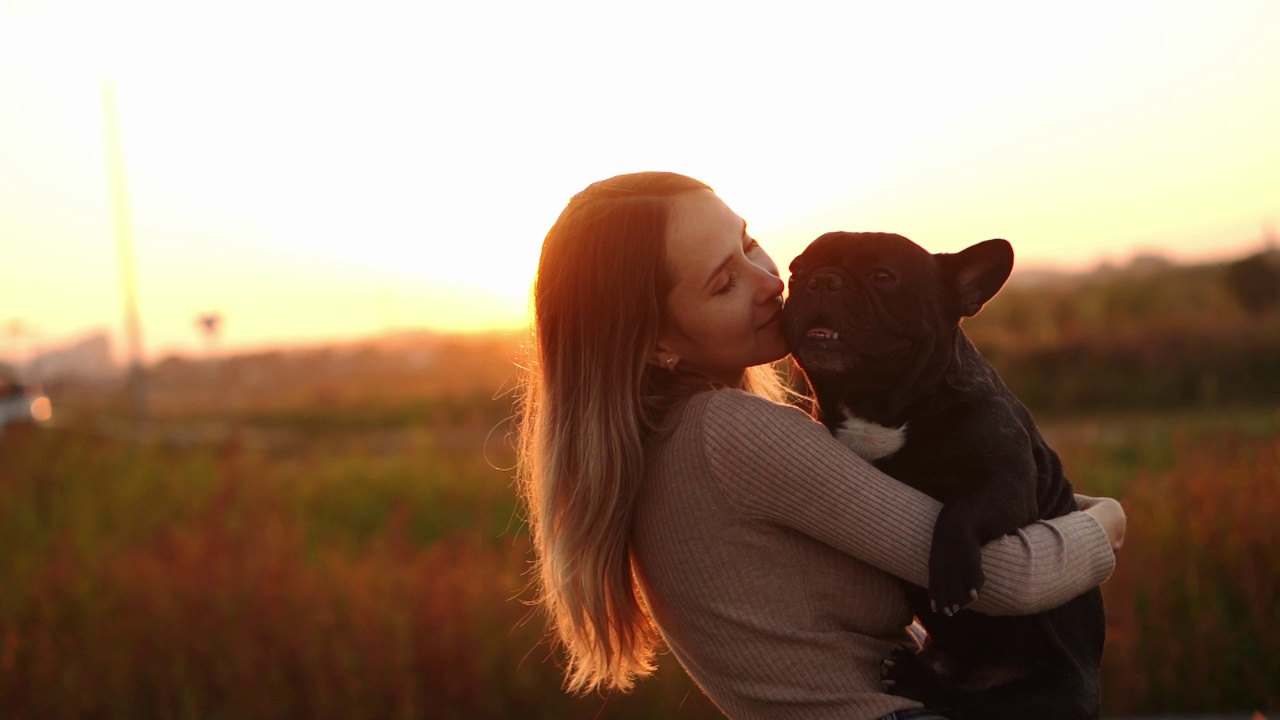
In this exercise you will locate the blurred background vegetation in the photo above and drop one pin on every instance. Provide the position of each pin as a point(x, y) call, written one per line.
point(331, 532)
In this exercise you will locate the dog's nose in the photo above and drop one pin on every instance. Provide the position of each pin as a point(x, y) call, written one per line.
point(825, 280)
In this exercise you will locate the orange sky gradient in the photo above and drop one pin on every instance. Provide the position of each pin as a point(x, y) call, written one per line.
point(316, 174)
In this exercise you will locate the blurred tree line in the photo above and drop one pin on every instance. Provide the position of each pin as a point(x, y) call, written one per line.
point(1151, 335)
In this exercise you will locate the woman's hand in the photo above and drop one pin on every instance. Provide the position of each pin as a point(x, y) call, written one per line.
point(1109, 515)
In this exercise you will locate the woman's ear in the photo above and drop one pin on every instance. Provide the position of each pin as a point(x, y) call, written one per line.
point(664, 356)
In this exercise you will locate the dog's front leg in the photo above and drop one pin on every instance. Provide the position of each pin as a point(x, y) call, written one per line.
point(999, 506)
point(955, 561)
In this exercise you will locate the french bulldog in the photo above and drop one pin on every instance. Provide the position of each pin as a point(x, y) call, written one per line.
point(873, 320)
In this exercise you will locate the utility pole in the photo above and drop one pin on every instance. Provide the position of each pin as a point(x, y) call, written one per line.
point(124, 246)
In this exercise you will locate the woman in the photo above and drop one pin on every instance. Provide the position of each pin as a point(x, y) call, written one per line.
point(673, 498)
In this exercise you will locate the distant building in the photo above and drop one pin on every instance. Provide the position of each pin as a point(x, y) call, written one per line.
point(87, 359)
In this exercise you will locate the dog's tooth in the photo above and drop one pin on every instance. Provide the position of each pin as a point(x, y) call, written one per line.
point(933, 605)
point(973, 594)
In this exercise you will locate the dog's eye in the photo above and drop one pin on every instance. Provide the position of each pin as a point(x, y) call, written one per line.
point(883, 276)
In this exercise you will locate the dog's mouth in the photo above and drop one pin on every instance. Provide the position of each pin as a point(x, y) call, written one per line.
point(855, 343)
point(821, 334)
point(823, 349)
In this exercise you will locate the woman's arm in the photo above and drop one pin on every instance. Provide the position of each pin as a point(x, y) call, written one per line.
point(779, 465)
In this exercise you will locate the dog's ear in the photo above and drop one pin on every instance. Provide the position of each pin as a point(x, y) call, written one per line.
point(976, 273)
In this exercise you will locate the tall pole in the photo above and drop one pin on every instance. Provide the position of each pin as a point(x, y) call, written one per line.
point(124, 247)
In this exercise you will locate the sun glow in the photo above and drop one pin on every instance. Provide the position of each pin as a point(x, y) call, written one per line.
point(312, 172)
point(41, 410)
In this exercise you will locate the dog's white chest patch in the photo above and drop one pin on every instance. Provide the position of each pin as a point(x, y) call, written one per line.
point(869, 440)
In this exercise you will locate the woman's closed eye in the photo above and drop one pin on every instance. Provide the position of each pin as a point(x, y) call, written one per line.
point(751, 246)
point(729, 285)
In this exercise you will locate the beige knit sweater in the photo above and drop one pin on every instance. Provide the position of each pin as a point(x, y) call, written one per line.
point(770, 557)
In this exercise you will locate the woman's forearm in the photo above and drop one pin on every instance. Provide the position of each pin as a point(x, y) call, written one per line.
point(1043, 565)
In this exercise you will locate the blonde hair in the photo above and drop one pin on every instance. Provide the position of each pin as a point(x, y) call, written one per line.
point(590, 401)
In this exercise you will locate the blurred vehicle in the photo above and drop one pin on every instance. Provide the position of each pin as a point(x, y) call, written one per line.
point(21, 403)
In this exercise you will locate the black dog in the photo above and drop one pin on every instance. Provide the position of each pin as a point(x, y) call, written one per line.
point(874, 321)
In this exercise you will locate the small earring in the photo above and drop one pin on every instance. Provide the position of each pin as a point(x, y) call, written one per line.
point(671, 364)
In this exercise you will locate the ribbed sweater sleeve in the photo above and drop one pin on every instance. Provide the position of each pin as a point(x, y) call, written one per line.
point(777, 464)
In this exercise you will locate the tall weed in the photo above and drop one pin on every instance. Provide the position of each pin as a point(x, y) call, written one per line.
point(340, 581)
point(379, 573)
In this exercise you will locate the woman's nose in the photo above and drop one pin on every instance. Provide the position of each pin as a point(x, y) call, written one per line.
point(770, 285)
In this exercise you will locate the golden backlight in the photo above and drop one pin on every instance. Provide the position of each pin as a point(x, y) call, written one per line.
point(41, 410)
point(314, 174)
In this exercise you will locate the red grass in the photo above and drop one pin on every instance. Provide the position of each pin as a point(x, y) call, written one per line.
point(1194, 603)
point(236, 609)
point(150, 582)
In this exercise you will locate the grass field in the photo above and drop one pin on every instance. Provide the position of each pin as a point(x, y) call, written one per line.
point(1193, 609)
point(365, 563)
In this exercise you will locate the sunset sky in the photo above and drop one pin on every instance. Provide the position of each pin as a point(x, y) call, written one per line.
point(318, 171)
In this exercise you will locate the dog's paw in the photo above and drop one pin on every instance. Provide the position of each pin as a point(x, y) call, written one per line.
point(903, 674)
point(955, 576)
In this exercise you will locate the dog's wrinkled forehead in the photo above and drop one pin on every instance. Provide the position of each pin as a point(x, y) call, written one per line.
point(852, 251)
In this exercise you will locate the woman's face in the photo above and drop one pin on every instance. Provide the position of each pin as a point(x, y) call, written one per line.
point(725, 303)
